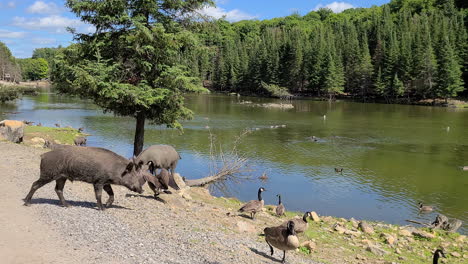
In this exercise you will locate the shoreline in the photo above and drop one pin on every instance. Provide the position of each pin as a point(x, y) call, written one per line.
point(328, 239)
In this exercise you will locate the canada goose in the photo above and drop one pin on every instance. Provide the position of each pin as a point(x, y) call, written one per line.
point(254, 206)
point(80, 129)
point(57, 125)
point(339, 170)
point(280, 208)
point(424, 208)
point(301, 225)
point(438, 254)
point(282, 238)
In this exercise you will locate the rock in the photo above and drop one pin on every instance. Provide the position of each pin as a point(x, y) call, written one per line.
point(455, 254)
point(389, 239)
point(315, 217)
point(376, 250)
point(354, 222)
point(245, 227)
point(460, 238)
point(309, 245)
point(12, 130)
point(338, 228)
point(365, 227)
point(404, 232)
point(180, 182)
point(465, 256)
point(423, 234)
point(352, 233)
point(187, 196)
point(359, 257)
point(327, 219)
point(398, 251)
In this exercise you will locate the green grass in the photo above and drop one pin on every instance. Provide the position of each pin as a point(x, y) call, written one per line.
point(62, 135)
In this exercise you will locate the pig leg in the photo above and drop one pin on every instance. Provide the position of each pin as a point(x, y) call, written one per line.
point(98, 191)
point(110, 192)
point(36, 185)
point(59, 184)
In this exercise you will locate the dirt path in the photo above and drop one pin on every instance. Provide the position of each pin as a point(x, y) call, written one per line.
point(138, 229)
point(24, 237)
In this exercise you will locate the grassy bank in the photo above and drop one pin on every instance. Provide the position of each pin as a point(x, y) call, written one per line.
point(53, 134)
point(339, 240)
point(11, 92)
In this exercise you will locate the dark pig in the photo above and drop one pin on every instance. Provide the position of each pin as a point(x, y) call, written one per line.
point(98, 166)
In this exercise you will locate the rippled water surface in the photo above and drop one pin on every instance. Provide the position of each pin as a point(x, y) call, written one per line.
point(393, 155)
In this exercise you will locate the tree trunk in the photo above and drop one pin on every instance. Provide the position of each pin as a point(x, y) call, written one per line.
point(206, 180)
point(139, 134)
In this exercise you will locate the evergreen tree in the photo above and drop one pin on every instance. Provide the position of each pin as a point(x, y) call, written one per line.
point(131, 65)
point(449, 82)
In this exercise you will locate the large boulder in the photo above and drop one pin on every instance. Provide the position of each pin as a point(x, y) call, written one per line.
point(12, 130)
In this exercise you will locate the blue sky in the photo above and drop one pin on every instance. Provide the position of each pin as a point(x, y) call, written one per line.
point(29, 24)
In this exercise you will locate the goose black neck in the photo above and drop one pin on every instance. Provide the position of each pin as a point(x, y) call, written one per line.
point(304, 218)
point(279, 198)
point(259, 194)
point(436, 257)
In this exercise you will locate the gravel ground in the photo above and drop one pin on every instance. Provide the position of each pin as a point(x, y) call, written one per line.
point(137, 229)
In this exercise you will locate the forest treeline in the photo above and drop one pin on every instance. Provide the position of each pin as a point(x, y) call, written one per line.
point(37, 67)
point(403, 51)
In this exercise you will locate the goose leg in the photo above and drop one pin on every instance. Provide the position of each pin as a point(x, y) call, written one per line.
point(284, 257)
point(271, 249)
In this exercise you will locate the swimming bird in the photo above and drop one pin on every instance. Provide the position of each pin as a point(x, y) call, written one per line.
point(80, 129)
point(301, 225)
point(57, 125)
point(424, 208)
point(264, 176)
point(280, 208)
point(324, 117)
point(254, 206)
point(438, 254)
point(282, 238)
point(339, 170)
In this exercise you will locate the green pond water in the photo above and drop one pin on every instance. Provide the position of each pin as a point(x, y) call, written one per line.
point(392, 156)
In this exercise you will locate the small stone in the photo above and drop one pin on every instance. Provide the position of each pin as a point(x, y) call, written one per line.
point(389, 239)
point(398, 251)
point(339, 228)
point(376, 250)
point(354, 222)
point(315, 217)
point(455, 254)
point(423, 234)
point(465, 256)
point(309, 245)
point(366, 228)
point(404, 232)
point(401, 258)
point(360, 257)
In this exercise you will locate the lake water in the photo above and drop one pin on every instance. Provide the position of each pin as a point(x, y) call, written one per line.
point(392, 155)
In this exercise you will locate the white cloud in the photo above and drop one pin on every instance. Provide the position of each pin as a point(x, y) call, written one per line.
point(336, 7)
point(11, 34)
point(40, 7)
point(218, 12)
point(52, 23)
point(11, 4)
point(43, 41)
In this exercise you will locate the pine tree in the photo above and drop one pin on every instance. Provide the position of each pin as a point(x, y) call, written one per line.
point(449, 81)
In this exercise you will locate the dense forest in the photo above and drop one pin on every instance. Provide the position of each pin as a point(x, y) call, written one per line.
point(403, 51)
